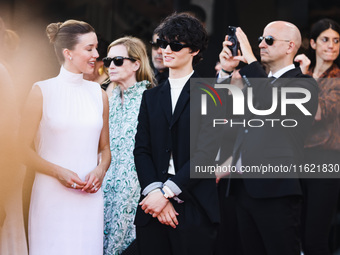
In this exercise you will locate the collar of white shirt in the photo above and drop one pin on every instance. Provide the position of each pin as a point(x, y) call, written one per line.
point(281, 71)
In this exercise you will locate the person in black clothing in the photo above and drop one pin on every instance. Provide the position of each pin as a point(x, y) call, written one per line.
point(177, 214)
point(160, 70)
point(268, 208)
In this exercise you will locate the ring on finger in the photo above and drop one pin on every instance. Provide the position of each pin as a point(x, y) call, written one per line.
point(74, 185)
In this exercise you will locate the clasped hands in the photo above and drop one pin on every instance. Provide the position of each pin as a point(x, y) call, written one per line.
point(70, 179)
point(158, 206)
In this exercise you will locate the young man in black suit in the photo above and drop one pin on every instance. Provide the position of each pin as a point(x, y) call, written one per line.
point(177, 214)
point(268, 209)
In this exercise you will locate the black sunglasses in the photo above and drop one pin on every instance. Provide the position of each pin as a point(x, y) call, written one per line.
point(269, 40)
point(154, 45)
point(175, 46)
point(118, 61)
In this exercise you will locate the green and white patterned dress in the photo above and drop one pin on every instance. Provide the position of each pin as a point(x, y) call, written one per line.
point(120, 186)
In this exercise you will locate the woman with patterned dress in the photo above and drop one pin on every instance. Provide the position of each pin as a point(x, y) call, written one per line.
point(66, 118)
point(129, 69)
point(322, 146)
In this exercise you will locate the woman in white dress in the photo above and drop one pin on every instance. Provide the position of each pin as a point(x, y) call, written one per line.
point(66, 117)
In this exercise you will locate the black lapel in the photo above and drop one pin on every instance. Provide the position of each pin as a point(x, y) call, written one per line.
point(285, 78)
point(166, 100)
point(183, 100)
point(181, 103)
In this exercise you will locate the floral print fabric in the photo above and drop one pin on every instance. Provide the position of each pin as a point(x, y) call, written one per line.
point(120, 186)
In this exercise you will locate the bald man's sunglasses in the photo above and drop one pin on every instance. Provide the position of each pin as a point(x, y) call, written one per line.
point(118, 61)
point(269, 40)
point(175, 46)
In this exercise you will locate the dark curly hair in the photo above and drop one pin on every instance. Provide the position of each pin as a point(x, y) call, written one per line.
point(187, 29)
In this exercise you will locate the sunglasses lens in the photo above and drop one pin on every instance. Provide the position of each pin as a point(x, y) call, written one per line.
point(162, 43)
point(118, 61)
point(269, 40)
point(176, 46)
point(154, 45)
point(107, 62)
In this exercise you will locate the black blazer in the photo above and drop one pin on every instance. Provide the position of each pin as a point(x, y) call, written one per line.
point(159, 133)
point(276, 145)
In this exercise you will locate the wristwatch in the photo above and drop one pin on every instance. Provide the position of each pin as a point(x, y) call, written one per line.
point(164, 194)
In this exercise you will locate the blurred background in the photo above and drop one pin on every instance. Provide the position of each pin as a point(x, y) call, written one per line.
point(116, 18)
point(35, 59)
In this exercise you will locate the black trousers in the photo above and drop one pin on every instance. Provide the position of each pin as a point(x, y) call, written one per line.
point(194, 235)
point(320, 203)
point(269, 226)
point(228, 238)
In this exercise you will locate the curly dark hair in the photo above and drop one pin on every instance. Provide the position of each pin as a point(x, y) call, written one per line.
point(187, 29)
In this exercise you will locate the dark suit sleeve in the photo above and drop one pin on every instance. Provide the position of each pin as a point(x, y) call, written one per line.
point(145, 168)
point(263, 88)
point(205, 140)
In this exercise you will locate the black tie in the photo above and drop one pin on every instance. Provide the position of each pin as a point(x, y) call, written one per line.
point(272, 79)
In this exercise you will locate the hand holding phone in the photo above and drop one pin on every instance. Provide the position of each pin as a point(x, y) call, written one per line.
point(233, 39)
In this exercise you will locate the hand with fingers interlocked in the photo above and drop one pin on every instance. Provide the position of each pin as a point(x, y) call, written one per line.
point(154, 203)
point(168, 216)
point(69, 178)
point(94, 180)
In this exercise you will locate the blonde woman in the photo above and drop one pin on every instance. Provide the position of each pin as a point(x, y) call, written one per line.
point(129, 69)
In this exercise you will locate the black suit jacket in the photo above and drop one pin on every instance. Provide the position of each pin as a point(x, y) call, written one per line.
point(160, 133)
point(276, 145)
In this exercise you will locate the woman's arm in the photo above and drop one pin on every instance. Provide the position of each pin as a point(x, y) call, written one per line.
point(30, 122)
point(304, 62)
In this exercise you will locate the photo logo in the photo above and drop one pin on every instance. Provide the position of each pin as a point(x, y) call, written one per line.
point(283, 106)
point(204, 97)
point(239, 99)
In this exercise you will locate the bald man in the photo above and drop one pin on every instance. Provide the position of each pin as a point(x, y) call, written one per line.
point(268, 205)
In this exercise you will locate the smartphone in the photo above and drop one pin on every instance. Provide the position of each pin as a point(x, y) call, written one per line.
point(232, 38)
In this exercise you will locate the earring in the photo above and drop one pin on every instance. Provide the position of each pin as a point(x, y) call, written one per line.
point(70, 58)
point(101, 70)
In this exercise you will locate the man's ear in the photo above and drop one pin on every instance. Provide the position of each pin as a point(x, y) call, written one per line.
point(291, 47)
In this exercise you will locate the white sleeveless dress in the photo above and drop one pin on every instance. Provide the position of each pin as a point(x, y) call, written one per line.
point(65, 221)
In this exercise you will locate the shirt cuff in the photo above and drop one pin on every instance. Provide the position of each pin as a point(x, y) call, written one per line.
point(221, 78)
point(173, 186)
point(151, 187)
